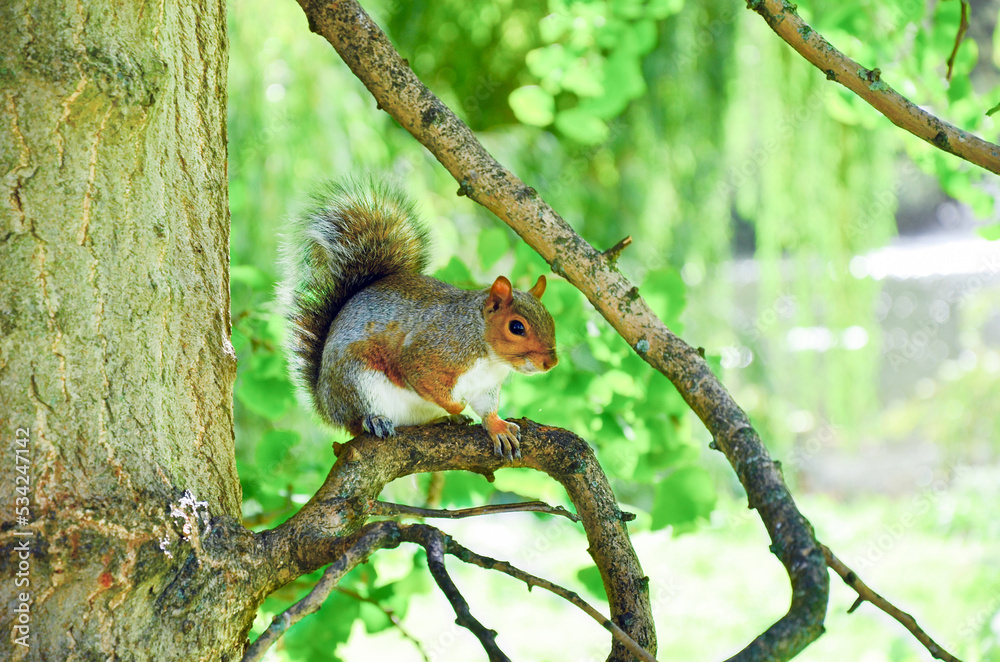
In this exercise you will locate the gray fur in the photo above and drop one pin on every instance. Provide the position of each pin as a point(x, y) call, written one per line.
point(354, 233)
point(340, 396)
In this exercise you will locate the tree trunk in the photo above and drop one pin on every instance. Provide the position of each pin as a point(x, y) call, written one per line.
point(116, 370)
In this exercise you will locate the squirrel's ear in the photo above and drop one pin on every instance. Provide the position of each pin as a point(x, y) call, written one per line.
point(501, 293)
point(538, 289)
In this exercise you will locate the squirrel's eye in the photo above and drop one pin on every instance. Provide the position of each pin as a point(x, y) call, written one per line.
point(516, 327)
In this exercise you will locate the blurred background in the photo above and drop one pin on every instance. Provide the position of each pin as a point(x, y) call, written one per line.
point(842, 276)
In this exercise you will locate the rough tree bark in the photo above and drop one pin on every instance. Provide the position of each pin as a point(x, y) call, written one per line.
point(114, 324)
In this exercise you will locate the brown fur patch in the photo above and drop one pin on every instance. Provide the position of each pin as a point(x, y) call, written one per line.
point(437, 387)
point(380, 352)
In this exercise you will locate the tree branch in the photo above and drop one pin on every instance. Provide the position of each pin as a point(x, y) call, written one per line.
point(398, 91)
point(868, 84)
point(377, 535)
point(322, 530)
point(351, 551)
point(385, 509)
point(865, 594)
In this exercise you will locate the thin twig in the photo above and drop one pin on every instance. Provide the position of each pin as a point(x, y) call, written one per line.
point(865, 594)
point(433, 541)
point(613, 253)
point(963, 26)
point(487, 563)
point(386, 509)
point(389, 614)
point(354, 550)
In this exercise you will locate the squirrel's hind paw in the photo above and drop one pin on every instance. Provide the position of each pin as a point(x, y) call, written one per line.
point(380, 426)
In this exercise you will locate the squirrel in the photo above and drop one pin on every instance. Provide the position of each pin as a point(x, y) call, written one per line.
point(376, 345)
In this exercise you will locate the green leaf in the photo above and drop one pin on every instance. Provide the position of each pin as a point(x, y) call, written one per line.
point(272, 449)
point(638, 38)
point(554, 26)
point(577, 384)
point(374, 618)
point(682, 497)
point(391, 566)
point(530, 484)
point(532, 105)
point(662, 398)
point(456, 273)
point(548, 61)
point(464, 489)
point(582, 126)
point(625, 69)
point(268, 396)
point(990, 232)
point(416, 582)
point(493, 243)
point(624, 384)
point(629, 9)
point(660, 9)
point(966, 58)
point(841, 108)
point(528, 263)
point(669, 446)
point(274, 330)
point(250, 276)
point(714, 362)
point(267, 363)
point(590, 577)
point(619, 456)
point(664, 291)
point(996, 44)
point(389, 599)
point(393, 597)
point(959, 88)
point(239, 339)
point(607, 106)
point(317, 636)
point(584, 79)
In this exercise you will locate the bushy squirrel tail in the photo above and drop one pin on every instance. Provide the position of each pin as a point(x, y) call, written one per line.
point(353, 233)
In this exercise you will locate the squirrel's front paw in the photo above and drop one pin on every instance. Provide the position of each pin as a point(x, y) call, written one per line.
point(505, 437)
point(380, 426)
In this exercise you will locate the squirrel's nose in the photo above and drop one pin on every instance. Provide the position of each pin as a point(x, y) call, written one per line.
point(550, 362)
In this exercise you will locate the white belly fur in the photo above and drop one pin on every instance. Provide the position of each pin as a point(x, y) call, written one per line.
point(401, 406)
point(479, 387)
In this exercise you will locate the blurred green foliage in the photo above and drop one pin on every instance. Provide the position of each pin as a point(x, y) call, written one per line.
point(689, 126)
